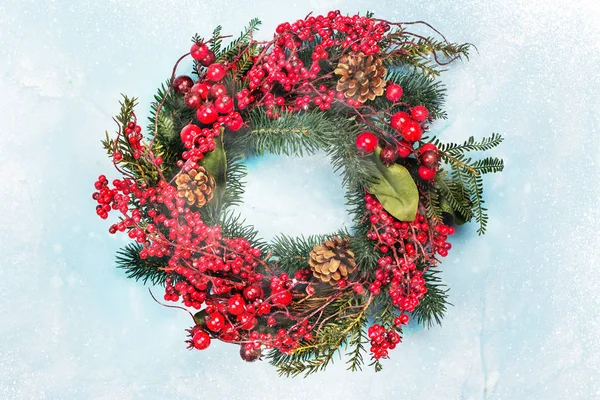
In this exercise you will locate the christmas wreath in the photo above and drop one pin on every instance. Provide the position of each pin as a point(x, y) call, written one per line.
point(362, 89)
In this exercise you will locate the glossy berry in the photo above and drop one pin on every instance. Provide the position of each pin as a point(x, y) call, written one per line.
point(189, 132)
point(252, 293)
point(366, 142)
point(235, 122)
point(411, 131)
point(249, 352)
point(404, 149)
point(207, 114)
point(218, 90)
point(399, 119)
point(209, 59)
point(215, 322)
point(192, 99)
point(201, 340)
point(429, 158)
point(419, 113)
point(182, 84)
point(282, 299)
point(388, 155)
point(199, 51)
point(215, 72)
point(393, 92)
point(426, 173)
point(203, 88)
point(236, 305)
point(224, 104)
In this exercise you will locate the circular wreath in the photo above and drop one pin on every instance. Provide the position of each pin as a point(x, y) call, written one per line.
point(363, 90)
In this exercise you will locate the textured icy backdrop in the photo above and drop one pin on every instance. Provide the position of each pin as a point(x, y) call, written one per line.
point(526, 309)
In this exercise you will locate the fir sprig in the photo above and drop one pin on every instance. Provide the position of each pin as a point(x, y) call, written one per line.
point(434, 304)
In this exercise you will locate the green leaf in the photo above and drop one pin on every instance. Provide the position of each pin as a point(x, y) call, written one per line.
point(395, 189)
point(215, 163)
point(457, 217)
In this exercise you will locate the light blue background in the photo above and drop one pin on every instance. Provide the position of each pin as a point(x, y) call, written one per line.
point(526, 309)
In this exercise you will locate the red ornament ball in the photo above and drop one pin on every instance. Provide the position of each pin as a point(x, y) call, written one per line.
point(419, 113)
point(215, 72)
point(399, 119)
point(366, 142)
point(393, 92)
point(207, 114)
point(182, 84)
point(411, 131)
point(199, 51)
point(201, 340)
point(426, 173)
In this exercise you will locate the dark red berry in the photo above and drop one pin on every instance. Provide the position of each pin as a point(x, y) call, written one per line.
point(182, 84)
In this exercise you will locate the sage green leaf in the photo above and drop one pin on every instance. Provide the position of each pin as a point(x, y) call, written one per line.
point(395, 189)
point(457, 217)
point(215, 163)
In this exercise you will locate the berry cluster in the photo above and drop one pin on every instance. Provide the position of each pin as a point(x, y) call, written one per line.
point(382, 340)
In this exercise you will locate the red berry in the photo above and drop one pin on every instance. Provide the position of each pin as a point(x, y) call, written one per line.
point(203, 88)
point(404, 149)
point(199, 51)
point(388, 155)
point(252, 293)
point(189, 132)
point(209, 59)
point(236, 305)
point(182, 84)
point(192, 99)
point(215, 322)
point(224, 104)
point(366, 142)
point(419, 113)
point(411, 131)
point(235, 122)
point(428, 147)
point(426, 173)
point(282, 299)
point(207, 114)
point(249, 352)
point(201, 340)
point(393, 92)
point(215, 72)
point(358, 288)
point(218, 90)
point(399, 119)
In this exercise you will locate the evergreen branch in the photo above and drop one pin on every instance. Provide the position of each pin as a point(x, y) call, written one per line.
point(292, 253)
point(417, 89)
point(141, 269)
point(470, 144)
point(290, 134)
point(233, 49)
point(454, 193)
point(434, 304)
point(234, 226)
point(488, 165)
point(480, 212)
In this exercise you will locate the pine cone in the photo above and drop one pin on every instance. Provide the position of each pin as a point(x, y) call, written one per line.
point(197, 186)
point(362, 77)
point(332, 261)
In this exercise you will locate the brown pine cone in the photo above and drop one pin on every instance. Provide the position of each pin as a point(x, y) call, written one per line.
point(197, 187)
point(362, 77)
point(332, 261)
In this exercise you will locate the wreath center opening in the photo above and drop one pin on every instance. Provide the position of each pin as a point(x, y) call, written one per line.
point(308, 198)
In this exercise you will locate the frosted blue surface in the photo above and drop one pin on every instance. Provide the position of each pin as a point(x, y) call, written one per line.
point(526, 312)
